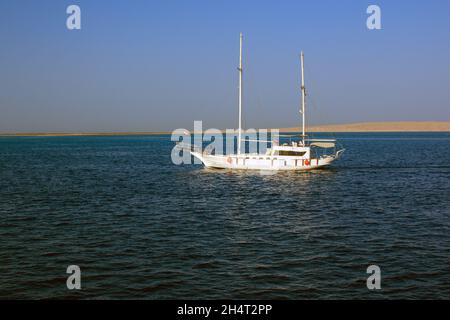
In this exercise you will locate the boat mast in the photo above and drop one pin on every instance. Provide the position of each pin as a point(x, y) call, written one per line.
point(303, 97)
point(240, 95)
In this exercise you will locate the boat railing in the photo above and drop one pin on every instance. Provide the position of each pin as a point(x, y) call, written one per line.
point(189, 147)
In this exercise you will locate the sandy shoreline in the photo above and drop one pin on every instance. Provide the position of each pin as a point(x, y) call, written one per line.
point(424, 126)
point(398, 126)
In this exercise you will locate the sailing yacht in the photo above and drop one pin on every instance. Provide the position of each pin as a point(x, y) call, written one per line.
point(305, 154)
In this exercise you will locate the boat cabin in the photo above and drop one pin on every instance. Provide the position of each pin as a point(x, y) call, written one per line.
point(293, 150)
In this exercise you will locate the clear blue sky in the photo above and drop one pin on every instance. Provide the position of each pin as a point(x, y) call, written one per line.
point(160, 65)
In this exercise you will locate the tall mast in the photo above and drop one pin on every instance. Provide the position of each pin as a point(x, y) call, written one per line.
point(240, 94)
point(303, 97)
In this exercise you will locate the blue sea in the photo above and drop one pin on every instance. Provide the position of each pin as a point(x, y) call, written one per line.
point(140, 227)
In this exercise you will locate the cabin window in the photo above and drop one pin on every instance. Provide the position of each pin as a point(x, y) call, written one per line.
point(291, 153)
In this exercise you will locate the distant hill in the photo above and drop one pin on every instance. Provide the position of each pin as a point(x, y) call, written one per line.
point(402, 126)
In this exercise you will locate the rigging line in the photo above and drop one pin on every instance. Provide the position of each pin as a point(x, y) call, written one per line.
point(321, 113)
point(313, 101)
point(252, 93)
point(310, 96)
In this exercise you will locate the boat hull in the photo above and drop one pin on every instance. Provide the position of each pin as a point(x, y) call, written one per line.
point(263, 162)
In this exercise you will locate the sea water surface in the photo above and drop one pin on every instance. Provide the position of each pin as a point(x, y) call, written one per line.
point(140, 227)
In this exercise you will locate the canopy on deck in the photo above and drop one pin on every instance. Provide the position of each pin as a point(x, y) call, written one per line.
point(323, 144)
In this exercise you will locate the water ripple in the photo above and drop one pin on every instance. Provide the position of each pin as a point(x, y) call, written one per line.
point(140, 227)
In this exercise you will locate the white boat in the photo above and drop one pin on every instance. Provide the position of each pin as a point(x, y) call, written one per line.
point(305, 154)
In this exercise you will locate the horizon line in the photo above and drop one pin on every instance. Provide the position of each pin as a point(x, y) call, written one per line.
point(381, 126)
